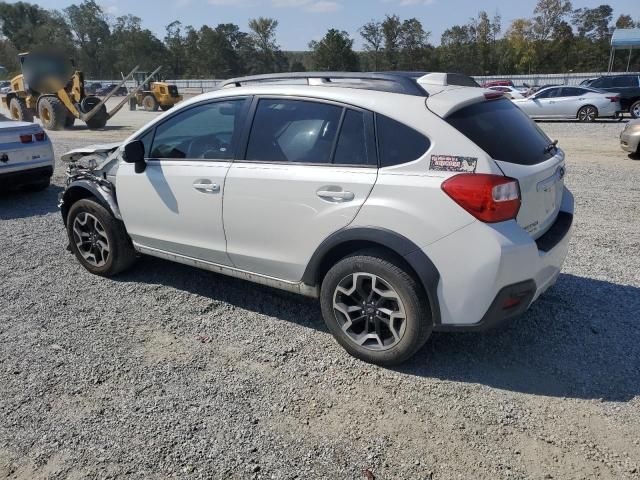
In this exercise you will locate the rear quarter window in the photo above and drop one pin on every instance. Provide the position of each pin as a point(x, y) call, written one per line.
point(398, 143)
point(502, 130)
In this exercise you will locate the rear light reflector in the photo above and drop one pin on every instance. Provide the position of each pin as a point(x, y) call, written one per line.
point(40, 136)
point(26, 138)
point(489, 198)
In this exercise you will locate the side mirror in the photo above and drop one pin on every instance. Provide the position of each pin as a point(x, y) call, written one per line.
point(134, 153)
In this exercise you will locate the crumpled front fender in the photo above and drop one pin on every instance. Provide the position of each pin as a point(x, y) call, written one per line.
point(84, 188)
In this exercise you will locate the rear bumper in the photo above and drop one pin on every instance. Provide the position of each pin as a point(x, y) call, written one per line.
point(492, 273)
point(10, 180)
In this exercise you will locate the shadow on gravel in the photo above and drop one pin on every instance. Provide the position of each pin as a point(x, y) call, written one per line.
point(239, 293)
point(579, 340)
point(22, 204)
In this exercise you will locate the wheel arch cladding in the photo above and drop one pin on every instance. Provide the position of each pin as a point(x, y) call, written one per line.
point(81, 189)
point(350, 240)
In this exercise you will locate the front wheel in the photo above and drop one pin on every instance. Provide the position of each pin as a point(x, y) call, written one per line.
point(634, 110)
point(375, 309)
point(98, 240)
point(149, 103)
point(587, 114)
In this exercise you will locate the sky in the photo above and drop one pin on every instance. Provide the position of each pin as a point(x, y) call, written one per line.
point(304, 20)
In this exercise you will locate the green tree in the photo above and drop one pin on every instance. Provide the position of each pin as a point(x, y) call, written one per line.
point(414, 46)
point(593, 22)
point(92, 35)
point(625, 21)
point(547, 16)
point(373, 37)
point(134, 45)
point(392, 32)
point(334, 52)
point(268, 56)
point(28, 27)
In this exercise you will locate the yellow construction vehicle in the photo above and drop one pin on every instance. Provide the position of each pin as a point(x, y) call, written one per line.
point(153, 93)
point(51, 90)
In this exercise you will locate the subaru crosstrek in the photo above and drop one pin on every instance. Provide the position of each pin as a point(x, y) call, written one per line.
point(406, 204)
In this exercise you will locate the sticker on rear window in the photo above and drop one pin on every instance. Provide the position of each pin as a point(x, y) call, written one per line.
point(450, 163)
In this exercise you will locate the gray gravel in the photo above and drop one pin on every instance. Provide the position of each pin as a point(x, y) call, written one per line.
point(172, 372)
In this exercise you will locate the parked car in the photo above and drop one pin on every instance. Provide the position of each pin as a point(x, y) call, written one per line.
point(498, 83)
point(26, 156)
point(627, 87)
point(404, 205)
point(92, 87)
point(5, 87)
point(510, 92)
point(106, 90)
point(585, 104)
point(630, 137)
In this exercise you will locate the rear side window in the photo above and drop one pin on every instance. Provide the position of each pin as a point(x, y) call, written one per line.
point(572, 92)
point(398, 143)
point(503, 131)
point(293, 131)
point(352, 142)
point(624, 82)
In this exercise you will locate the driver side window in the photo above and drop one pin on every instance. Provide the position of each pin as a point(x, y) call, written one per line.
point(202, 132)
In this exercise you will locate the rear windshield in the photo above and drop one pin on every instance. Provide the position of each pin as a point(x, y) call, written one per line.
point(503, 131)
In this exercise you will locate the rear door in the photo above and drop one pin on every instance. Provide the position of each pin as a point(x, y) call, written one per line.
point(522, 151)
point(309, 167)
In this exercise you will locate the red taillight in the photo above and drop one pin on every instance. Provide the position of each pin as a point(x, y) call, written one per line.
point(493, 95)
point(40, 136)
point(26, 138)
point(614, 99)
point(489, 198)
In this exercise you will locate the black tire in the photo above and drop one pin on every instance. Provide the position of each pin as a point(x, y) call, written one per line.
point(69, 121)
point(587, 114)
point(416, 326)
point(166, 108)
point(149, 103)
point(19, 111)
point(634, 109)
point(99, 120)
point(52, 113)
point(121, 254)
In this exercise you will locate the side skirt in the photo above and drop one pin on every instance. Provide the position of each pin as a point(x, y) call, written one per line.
point(294, 287)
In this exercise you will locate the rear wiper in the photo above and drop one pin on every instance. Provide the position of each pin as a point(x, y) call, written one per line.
point(552, 146)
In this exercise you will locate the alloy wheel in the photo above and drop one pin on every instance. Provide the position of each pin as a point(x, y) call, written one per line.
point(587, 114)
point(91, 239)
point(636, 111)
point(369, 311)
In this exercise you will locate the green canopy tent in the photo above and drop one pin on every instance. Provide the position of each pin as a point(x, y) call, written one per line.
point(623, 39)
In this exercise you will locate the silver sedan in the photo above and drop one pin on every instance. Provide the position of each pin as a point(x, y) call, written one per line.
point(585, 104)
point(630, 137)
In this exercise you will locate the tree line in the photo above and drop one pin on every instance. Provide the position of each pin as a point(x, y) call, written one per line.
point(556, 39)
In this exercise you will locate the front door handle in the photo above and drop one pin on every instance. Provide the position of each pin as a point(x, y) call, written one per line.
point(336, 196)
point(206, 186)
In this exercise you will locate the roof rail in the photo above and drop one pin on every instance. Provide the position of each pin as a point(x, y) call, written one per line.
point(384, 82)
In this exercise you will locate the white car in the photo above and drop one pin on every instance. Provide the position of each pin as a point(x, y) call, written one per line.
point(404, 205)
point(510, 92)
point(26, 156)
point(584, 103)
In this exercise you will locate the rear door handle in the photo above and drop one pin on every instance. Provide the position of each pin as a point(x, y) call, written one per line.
point(206, 186)
point(336, 196)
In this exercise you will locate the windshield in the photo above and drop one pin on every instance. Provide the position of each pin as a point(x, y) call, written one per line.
point(503, 131)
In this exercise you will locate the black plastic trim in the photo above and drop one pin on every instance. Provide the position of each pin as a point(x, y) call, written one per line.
point(24, 177)
point(556, 233)
point(409, 251)
point(496, 315)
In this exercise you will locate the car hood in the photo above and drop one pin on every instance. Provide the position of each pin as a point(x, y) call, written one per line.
point(101, 150)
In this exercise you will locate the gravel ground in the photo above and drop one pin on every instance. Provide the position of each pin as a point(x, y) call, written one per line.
point(172, 372)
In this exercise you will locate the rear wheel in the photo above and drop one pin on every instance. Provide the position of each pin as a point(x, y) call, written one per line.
point(52, 113)
point(375, 309)
point(19, 111)
point(149, 103)
point(164, 108)
point(99, 119)
point(98, 240)
point(634, 110)
point(588, 114)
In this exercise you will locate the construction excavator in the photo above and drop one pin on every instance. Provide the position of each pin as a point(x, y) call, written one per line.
point(51, 89)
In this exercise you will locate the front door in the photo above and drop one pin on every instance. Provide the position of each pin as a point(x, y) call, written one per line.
point(175, 205)
point(308, 169)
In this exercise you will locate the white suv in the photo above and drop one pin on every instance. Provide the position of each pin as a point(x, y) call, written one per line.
point(405, 204)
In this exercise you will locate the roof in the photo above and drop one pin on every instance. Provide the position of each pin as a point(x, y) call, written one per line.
point(624, 38)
